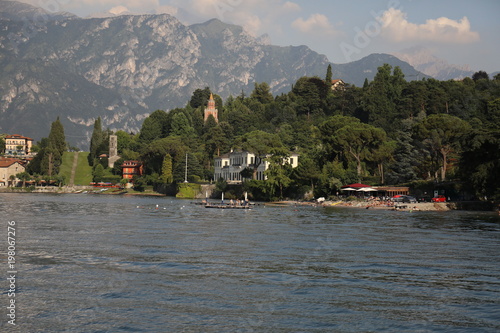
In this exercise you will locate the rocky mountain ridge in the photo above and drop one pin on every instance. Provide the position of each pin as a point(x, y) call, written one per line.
point(123, 68)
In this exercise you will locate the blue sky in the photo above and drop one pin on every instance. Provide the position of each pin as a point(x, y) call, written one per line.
point(462, 32)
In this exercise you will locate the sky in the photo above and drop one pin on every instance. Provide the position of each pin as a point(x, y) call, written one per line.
point(462, 32)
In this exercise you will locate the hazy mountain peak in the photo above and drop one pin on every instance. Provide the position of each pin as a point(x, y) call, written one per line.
point(19, 11)
point(423, 60)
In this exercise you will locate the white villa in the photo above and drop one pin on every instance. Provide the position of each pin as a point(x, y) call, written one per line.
point(229, 166)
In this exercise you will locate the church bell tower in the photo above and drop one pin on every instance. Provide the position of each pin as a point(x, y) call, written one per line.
point(211, 110)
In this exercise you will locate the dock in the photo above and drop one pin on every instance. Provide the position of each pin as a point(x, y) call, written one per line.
point(223, 206)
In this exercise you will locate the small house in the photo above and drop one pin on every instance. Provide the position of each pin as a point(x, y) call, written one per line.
point(10, 167)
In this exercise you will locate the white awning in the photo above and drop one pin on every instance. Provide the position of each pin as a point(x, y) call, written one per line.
point(367, 189)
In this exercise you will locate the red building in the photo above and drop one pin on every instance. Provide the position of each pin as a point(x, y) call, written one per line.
point(131, 169)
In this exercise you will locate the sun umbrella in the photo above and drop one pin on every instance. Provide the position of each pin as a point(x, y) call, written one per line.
point(348, 189)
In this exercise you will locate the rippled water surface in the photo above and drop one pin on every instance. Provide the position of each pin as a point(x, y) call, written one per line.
point(98, 263)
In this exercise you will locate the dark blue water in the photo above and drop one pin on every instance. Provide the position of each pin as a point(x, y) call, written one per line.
point(97, 263)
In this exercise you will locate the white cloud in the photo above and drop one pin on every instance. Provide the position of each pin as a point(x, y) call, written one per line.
point(290, 7)
point(132, 4)
point(396, 27)
point(167, 10)
point(119, 10)
point(136, 6)
point(256, 16)
point(316, 23)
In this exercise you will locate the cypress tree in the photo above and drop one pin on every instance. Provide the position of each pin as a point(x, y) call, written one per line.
point(57, 139)
point(329, 75)
point(166, 170)
point(95, 141)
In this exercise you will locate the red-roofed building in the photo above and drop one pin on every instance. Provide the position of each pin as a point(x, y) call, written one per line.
point(338, 84)
point(18, 145)
point(131, 169)
point(9, 167)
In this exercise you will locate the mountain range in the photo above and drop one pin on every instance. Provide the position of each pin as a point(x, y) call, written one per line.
point(123, 68)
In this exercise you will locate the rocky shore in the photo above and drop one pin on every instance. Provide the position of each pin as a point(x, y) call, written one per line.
point(419, 206)
point(388, 205)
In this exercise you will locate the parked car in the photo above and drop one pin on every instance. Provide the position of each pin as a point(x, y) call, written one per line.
point(439, 198)
point(409, 199)
point(404, 198)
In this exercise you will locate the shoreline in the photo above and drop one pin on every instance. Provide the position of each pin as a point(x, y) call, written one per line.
point(419, 206)
point(410, 207)
point(374, 205)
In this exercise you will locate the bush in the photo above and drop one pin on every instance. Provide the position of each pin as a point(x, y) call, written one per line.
point(194, 179)
point(139, 183)
point(188, 190)
point(258, 190)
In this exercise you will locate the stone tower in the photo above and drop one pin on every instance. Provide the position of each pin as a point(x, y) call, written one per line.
point(113, 150)
point(211, 110)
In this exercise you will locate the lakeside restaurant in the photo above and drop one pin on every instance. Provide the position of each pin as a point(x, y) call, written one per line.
point(359, 189)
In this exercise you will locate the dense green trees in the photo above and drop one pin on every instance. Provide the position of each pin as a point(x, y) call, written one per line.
point(439, 136)
point(480, 163)
point(389, 131)
point(49, 156)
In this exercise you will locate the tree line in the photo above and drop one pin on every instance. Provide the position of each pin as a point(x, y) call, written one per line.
point(387, 132)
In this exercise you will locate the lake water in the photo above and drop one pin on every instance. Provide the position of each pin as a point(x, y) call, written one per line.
point(98, 263)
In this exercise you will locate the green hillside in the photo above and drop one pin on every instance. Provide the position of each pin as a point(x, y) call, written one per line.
point(83, 172)
point(65, 168)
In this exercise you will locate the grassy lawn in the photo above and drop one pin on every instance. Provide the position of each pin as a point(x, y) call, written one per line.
point(83, 174)
point(65, 168)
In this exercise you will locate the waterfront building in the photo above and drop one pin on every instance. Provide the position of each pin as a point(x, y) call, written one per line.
point(10, 167)
point(16, 144)
point(131, 169)
point(229, 166)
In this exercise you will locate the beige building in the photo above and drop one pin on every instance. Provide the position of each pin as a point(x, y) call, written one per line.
point(18, 144)
point(9, 167)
